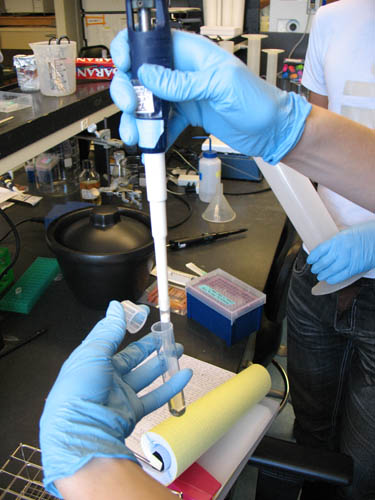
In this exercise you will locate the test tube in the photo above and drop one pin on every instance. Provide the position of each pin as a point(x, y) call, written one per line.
point(167, 355)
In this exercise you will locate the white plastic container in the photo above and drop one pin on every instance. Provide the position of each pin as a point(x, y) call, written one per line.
point(209, 174)
point(306, 212)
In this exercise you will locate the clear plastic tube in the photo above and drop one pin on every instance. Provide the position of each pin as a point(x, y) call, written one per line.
point(167, 354)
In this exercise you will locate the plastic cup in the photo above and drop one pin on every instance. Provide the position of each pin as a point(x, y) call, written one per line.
point(56, 63)
point(135, 314)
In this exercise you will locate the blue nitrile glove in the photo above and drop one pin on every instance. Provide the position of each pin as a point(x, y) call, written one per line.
point(213, 89)
point(93, 405)
point(350, 252)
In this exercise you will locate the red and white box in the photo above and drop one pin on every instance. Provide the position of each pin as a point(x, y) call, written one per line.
point(95, 68)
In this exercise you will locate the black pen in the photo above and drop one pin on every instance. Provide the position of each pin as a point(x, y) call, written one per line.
point(180, 243)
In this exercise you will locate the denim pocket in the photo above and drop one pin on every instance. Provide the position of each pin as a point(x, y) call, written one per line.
point(300, 265)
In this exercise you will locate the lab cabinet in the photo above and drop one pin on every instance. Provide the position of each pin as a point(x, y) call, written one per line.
point(29, 6)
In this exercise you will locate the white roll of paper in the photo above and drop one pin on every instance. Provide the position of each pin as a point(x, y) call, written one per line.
point(180, 441)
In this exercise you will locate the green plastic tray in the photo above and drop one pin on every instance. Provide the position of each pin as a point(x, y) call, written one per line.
point(23, 295)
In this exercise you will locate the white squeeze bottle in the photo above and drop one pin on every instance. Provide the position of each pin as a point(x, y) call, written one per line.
point(209, 174)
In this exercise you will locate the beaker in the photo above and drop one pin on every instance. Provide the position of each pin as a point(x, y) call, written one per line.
point(56, 63)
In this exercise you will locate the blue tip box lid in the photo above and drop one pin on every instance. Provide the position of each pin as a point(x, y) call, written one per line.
point(226, 294)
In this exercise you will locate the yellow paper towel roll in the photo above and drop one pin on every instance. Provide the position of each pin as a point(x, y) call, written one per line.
point(180, 441)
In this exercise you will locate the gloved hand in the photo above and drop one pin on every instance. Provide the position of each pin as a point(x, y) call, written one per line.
point(213, 89)
point(350, 252)
point(93, 405)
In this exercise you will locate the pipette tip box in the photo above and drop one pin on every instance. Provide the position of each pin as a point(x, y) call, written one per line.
point(228, 307)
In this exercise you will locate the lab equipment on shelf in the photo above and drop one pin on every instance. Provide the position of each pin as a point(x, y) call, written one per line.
point(223, 17)
point(254, 42)
point(89, 183)
point(57, 170)
point(272, 59)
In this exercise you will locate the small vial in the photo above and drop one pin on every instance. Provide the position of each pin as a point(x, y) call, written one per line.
point(167, 355)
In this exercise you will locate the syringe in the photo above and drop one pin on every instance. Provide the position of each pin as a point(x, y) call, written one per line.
point(152, 43)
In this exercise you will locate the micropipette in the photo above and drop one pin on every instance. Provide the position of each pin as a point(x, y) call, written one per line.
point(152, 43)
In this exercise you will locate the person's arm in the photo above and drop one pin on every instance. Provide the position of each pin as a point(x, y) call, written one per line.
point(213, 89)
point(93, 407)
point(107, 478)
point(318, 100)
point(328, 150)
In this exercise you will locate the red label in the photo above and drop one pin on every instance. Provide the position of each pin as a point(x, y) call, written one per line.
point(95, 73)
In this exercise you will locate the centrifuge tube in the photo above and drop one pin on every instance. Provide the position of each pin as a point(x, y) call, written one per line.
point(167, 355)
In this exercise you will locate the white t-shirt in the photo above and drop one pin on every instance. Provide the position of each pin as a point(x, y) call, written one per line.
point(340, 64)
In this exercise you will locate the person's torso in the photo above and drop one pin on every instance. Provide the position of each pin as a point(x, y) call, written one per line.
point(348, 61)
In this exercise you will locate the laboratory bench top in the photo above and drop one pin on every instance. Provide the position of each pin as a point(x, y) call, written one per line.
point(27, 373)
point(51, 120)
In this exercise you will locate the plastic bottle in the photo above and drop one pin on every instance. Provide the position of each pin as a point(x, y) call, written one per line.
point(209, 174)
point(306, 211)
point(89, 183)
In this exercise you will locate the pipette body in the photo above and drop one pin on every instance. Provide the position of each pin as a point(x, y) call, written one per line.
point(152, 43)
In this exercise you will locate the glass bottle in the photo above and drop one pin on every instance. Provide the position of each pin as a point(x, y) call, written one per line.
point(89, 183)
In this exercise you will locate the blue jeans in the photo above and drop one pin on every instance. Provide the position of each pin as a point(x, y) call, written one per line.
point(331, 367)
